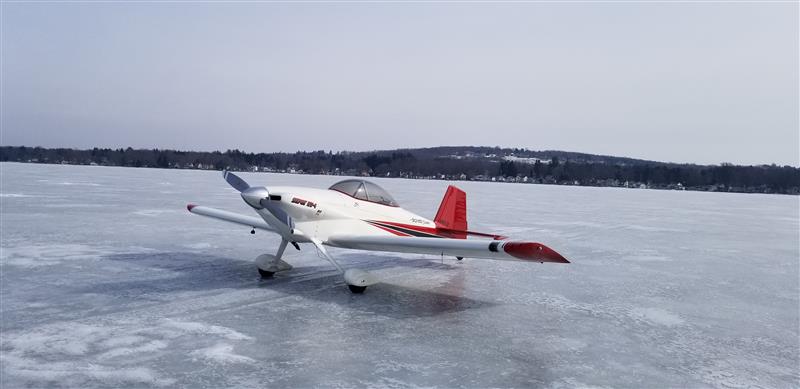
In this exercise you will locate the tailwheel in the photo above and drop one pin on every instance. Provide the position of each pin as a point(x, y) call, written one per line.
point(265, 274)
point(357, 289)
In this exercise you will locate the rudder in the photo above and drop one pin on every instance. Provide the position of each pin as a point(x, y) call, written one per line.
point(452, 213)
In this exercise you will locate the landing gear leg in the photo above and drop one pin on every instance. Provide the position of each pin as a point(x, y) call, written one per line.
point(357, 280)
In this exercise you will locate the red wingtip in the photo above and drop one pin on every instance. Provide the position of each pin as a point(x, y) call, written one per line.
point(533, 252)
point(190, 206)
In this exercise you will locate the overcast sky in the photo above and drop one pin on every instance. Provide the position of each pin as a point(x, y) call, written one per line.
point(705, 83)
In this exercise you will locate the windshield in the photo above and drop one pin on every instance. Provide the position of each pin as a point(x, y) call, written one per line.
point(364, 190)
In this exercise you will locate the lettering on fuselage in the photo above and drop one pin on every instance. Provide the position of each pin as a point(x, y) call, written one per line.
point(307, 203)
point(419, 221)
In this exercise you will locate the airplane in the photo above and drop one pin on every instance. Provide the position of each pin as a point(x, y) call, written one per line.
point(359, 214)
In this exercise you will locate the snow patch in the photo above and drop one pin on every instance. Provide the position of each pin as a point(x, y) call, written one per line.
point(78, 374)
point(51, 254)
point(154, 212)
point(202, 328)
point(648, 258)
point(145, 348)
point(221, 353)
point(199, 246)
point(78, 183)
point(566, 383)
point(657, 316)
point(651, 228)
point(126, 340)
point(74, 340)
point(75, 354)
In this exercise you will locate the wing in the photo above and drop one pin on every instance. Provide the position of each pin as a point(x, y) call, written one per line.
point(474, 248)
point(250, 221)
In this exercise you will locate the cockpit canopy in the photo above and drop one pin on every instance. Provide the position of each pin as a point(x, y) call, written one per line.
point(364, 190)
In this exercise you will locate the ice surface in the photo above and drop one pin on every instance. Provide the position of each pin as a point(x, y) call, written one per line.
point(108, 281)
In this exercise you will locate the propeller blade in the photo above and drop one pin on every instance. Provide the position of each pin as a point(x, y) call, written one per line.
point(234, 181)
point(279, 213)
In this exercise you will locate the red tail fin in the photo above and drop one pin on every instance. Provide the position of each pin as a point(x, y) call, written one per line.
point(452, 214)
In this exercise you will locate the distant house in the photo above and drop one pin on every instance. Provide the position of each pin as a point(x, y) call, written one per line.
point(530, 161)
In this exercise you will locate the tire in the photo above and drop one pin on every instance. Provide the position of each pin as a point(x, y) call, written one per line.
point(265, 274)
point(357, 289)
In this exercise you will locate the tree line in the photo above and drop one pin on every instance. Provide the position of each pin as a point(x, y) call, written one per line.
point(452, 162)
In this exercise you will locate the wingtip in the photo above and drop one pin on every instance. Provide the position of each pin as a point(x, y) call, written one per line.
point(190, 206)
point(554, 256)
point(533, 252)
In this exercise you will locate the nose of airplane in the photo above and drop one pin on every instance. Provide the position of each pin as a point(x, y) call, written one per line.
point(253, 195)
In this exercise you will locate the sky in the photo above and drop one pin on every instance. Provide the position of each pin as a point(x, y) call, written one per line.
point(684, 82)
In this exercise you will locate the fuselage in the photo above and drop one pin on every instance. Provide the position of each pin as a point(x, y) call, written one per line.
point(321, 213)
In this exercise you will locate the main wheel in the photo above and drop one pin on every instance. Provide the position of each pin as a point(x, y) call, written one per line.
point(356, 288)
point(265, 274)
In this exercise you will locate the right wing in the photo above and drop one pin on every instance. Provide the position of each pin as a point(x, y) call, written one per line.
point(473, 248)
point(250, 221)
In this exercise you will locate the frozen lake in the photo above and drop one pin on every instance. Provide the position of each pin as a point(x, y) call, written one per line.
point(107, 280)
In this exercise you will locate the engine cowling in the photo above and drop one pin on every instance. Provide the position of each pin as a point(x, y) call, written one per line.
point(253, 196)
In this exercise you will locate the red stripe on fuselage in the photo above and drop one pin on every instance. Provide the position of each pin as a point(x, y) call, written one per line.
point(427, 230)
point(398, 233)
point(440, 232)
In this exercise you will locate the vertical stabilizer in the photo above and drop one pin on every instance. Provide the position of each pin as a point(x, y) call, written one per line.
point(452, 214)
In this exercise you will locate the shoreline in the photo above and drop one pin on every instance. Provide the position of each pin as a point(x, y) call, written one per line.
point(648, 187)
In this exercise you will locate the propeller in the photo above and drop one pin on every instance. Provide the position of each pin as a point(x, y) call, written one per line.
point(252, 195)
point(257, 197)
point(234, 181)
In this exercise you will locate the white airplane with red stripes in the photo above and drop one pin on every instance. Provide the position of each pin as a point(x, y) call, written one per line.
point(358, 214)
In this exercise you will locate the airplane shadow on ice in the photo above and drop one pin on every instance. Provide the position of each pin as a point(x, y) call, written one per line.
point(158, 274)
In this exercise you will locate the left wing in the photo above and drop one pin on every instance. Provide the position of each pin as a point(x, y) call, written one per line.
point(220, 214)
point(474, 248)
